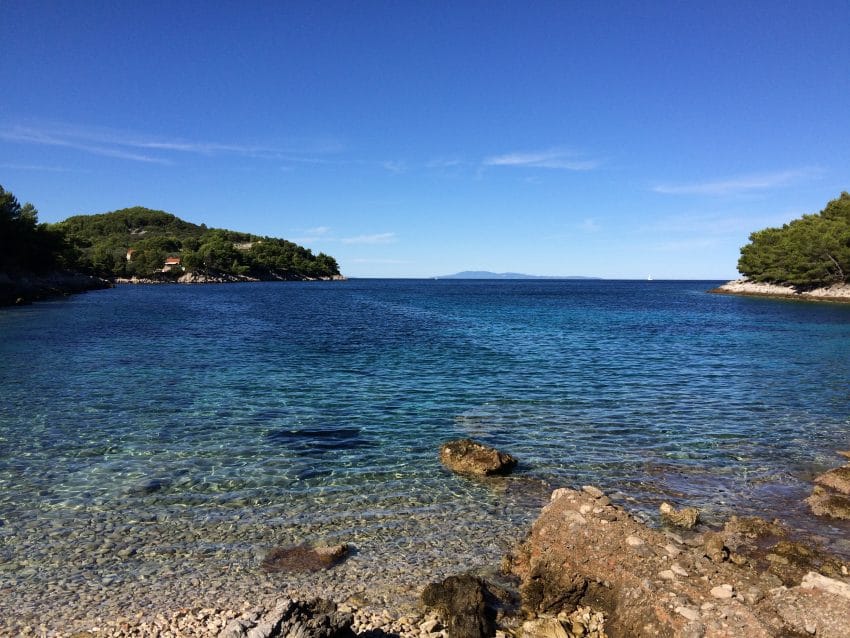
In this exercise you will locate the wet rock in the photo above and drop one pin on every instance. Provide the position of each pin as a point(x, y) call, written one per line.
point(753, 527)
point(824, 502)
point(831, 494)
point(837, 479)
point(304, 558)
point(144, 488)
point(466, 456)
point(465, 604)
point(685, 517)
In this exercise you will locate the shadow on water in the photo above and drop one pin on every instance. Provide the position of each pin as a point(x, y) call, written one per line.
point(328, 439)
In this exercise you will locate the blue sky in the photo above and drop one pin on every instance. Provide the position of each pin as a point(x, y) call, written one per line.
point(614, 139)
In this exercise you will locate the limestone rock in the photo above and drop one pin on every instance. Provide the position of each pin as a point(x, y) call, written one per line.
point(303, 558)
point(688, 612)
point(563, 566)
point(814, 580)
point(465, 604)
point(686, 517)
point(466, 456)
point(722, 591)
point(544, 628)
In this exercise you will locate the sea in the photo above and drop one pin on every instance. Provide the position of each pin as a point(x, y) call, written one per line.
point(157, 440)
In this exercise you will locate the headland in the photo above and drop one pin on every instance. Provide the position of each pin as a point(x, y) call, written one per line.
point(839, 293)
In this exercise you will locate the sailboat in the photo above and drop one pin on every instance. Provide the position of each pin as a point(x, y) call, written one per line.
point(649, 277)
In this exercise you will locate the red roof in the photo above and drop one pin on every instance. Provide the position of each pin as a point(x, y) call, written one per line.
point(172, 260)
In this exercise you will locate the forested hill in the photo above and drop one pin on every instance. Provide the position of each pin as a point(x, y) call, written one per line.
point(143, 242)
point(807, 252)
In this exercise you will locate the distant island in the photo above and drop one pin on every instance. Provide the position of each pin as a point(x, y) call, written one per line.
point(484, 274)
point(807, 258)
point(137, 245)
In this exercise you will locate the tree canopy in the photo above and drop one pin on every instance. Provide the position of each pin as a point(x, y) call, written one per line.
point(807, 252)
point(26, 245)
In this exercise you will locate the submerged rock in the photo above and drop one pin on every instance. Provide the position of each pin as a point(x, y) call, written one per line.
point(464, 602)
point(146, 487)
point(685, 518)
point(303, 558)
point(466, 456)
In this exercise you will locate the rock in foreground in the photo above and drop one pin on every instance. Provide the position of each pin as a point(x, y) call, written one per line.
point(464, 604)
point(316, 619)
point(585, 552)
point(466, 456)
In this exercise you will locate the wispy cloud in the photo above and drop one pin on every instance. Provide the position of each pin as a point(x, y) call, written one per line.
point(313, 235)
point(444, 162)
point(323, 234)
point(90, 145)
point(553, 158)
point(378, 238)
point(38, 167)
point(736, 185)
point(318, 230)
point(394, 166)
point(153, 149)
point(589, 225)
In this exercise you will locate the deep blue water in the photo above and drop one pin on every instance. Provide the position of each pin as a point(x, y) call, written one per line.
point(307, 396)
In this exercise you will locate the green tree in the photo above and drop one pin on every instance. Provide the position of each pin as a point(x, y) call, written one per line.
point(811, 251)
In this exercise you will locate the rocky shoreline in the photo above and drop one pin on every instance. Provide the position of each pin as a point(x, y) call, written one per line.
point(839, 293)
point(26, 288)
point(587, 568)
point(198, 277)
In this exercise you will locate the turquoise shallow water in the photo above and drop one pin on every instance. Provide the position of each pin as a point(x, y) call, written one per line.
point(316, 409)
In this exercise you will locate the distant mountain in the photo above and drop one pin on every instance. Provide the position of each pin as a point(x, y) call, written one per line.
point(484, 274)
